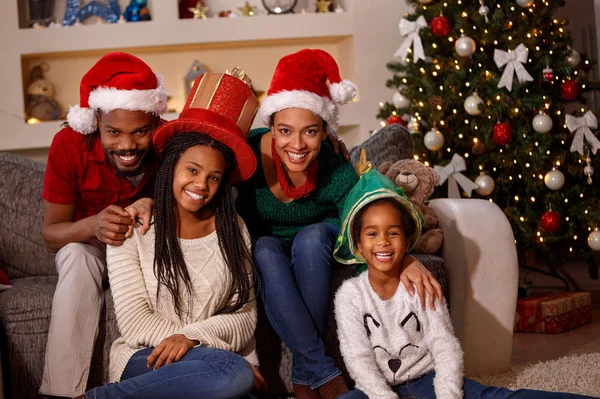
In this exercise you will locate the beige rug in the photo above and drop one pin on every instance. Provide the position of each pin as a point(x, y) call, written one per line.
point(574, 374)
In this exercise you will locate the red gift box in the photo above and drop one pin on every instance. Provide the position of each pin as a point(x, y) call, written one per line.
point(553, 313)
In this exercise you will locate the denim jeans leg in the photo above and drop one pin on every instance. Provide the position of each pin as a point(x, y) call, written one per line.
point(288, 314)
point(312, 256)
point(202, 372)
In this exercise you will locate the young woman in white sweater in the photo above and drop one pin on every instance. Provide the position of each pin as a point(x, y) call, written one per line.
point(391, 345)
point(183, 291)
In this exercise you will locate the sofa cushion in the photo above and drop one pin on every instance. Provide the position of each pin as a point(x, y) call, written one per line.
point(22, 251)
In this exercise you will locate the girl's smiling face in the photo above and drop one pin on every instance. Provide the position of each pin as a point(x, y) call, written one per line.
point(298, 134)
point(197, 177)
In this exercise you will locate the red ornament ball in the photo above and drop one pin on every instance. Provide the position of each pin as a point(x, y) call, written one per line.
point(440, 26)
point(570, 90)
point(502, 133)
point(395, 119)
point(550, 221)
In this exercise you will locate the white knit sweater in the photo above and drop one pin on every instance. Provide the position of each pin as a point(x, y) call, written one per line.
point(145, 323)
point(389, 342)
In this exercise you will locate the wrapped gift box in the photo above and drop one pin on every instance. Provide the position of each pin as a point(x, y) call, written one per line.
point(553, 313)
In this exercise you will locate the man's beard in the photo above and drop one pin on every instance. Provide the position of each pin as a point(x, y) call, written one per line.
point(145, 157)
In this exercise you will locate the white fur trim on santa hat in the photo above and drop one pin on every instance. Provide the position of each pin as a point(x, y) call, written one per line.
point(107, 99)
point(322, 106)
point(343, 92)
point(82, 120)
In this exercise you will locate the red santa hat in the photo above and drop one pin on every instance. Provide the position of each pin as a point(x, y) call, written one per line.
point(116, 81)
point(300, 81)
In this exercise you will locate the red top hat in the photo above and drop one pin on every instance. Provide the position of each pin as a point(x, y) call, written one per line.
point(223, 107)
point(116, 81)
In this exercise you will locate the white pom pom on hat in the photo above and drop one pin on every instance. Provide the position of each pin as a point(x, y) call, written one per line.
point(116, 81)
point(300, 81)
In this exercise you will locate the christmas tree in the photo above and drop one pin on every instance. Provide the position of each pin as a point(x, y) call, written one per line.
point(496, 85)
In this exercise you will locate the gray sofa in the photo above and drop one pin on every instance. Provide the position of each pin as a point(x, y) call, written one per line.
point(25, 308)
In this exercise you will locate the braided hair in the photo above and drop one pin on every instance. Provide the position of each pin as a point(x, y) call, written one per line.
point(169, 264)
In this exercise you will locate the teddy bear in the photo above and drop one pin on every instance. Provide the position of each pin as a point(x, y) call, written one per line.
point(418, 181)
point(40, 103)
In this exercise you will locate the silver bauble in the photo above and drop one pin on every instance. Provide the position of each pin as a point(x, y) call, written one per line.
point(465, 46)
point(594, 240)
point(399, 100)
point(525, 3)
point(472, 104)
point(433, 140)
point(574, 58)
point(554, 179)
point(485, 184)
point(542, 123)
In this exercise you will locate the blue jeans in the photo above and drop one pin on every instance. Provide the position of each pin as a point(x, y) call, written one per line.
point(422, 388)
point(202, 373)
point(296, 294)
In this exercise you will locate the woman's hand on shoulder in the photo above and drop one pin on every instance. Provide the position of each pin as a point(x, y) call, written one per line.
point(141, 212)
point(170, 350)
point(413, 272)
point(338, 145)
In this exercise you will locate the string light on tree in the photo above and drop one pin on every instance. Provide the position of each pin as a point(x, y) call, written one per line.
point(465, 46)
point(433, 140)
point(554, 179)
point(485, 184)
point(593, 240)
point(473, 104)
point(550, 221)
point(542, 122)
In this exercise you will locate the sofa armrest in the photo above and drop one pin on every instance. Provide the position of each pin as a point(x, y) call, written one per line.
point(481, 264)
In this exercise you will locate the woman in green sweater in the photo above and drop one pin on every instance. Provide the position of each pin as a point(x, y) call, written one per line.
point(293, 204)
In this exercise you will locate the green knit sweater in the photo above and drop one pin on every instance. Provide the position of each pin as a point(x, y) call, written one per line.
point(265, 215)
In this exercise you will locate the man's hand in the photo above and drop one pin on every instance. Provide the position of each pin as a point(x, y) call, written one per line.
point(414, 272)
point(142, 211)
point(338, 145)
point(170, 350)
point(111, 225)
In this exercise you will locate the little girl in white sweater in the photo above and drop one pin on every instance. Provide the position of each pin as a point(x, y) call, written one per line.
point(391, 345)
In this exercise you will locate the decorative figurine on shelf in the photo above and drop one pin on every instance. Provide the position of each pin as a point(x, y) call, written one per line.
point(40, 104)
point(279, 6)
point(247, 10)
point(322, 6)
point(199, 11)
point(195, 70)
point(75, 12)
point(40, 12)
point(137, 10)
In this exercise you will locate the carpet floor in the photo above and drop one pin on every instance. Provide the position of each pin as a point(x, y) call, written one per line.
point(573, 374)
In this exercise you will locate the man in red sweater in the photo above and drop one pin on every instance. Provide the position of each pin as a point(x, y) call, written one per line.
point(98, 164)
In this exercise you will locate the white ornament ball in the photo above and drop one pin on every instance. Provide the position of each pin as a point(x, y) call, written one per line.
point(574, 59)
point(542, 123)
point(472, 104)
point(399, 100)
point(525, 3)
point(554, 179)
point(433, 140)
point(465, 46)
point(485, 184)
point(594, 240)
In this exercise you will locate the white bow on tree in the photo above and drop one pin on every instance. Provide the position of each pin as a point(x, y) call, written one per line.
point(514, 61)
point(452, 173)
point(581, 127)
point(411, 31)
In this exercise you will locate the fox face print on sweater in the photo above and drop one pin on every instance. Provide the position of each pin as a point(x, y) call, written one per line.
point(389, 342)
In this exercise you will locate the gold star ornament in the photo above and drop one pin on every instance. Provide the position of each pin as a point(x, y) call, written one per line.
point(200, 11)
point(323, 5)
point(247, 10)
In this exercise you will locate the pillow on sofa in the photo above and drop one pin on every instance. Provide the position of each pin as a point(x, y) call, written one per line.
point(4, 283)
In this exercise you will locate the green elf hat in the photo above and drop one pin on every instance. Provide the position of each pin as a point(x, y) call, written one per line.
point(371, 186)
